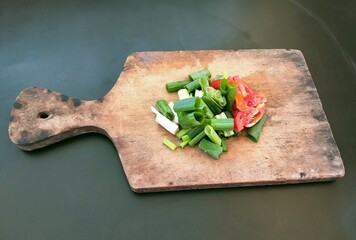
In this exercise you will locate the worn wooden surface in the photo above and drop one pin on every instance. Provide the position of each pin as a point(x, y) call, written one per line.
point(296, 144)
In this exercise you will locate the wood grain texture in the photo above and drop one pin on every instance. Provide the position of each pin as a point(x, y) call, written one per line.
point(296, 145)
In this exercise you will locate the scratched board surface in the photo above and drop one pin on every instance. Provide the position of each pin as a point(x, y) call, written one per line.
point(296, 144)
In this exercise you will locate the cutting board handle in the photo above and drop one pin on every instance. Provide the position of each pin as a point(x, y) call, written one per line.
point(41, 117)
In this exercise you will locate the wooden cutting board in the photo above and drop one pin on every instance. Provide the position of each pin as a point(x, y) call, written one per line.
point(296, 144)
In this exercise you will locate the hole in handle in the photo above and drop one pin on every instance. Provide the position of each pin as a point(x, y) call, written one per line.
point(43, 115)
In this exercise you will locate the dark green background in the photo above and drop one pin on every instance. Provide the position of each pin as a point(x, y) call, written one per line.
point(77, 189)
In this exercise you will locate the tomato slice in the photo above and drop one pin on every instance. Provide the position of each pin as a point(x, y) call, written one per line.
point(253, 100)
point(256, 118)
point(243, 118)
point(215, 84)
point(240, 101)
point(238, 122)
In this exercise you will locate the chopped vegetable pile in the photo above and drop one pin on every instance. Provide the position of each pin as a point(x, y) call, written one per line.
point(209, 111)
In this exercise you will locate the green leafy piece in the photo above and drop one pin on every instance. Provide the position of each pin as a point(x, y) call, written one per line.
point(197, 138)
point(254, 132)
point(169, 144)
point(224, 124)
point(163, 107)
point(176, 86)
point(210, 148)
point(191, 120)
point(200, 74)
point(187, 104)
point(214, 137)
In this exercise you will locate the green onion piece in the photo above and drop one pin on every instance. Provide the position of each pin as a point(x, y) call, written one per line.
point(169, 144)
point(184, 143)
point(207, 121)
point(186, 138)
point(187, 104)
point(216, 96)
point(192, 85)
point(163, 107)
point(210, 148)
point(214, 137)
point(182, 132)
point(224, 86)
point(176, 86)
point(210, 92)
point(180, 114)
point(203, 110)
point(197, 138)
point(227, 133)
point(204, 83)
point(200, 74)
point(183, 93)
point(195, 131)
point(219, 98)
point(191, 120)
point(213, 106)
point(228, 114)
point(230, 98)
point(254, 132)
point(224, 145)
point(224, 124)
point(209, 113)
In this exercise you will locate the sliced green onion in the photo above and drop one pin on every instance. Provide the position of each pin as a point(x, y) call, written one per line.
point(191, 120)
point(187, 104)
point(169, 144)
point(227, 133)
point(200, 74)
point(214, 137)
point(230, 98)
point(204, 83)
point(176, 86)
point(165, 122)
point(228, 114)
point(210, 148)
point(207, 121)
point(182, 132)
point(219, 98)
point(163, 107)
point(192, 85)
point(181, 114)
point(195, 131)
point(197, 138)
point(224, 86)
point(224, 145)
point(209, 113)
point(254, 132)
point(213, 106)
point(184, 143)
point(183, 93)
point(224, 124)
point(186, 138)
point(175, 119)
point(198, 93)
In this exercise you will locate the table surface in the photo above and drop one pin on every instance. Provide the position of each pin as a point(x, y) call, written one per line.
point(76, 189)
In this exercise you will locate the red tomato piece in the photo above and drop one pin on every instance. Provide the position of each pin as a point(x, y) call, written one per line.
point(240, 102)
point(215, 84)
point(256, 118)
point(243, 118)
point(253, 100)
